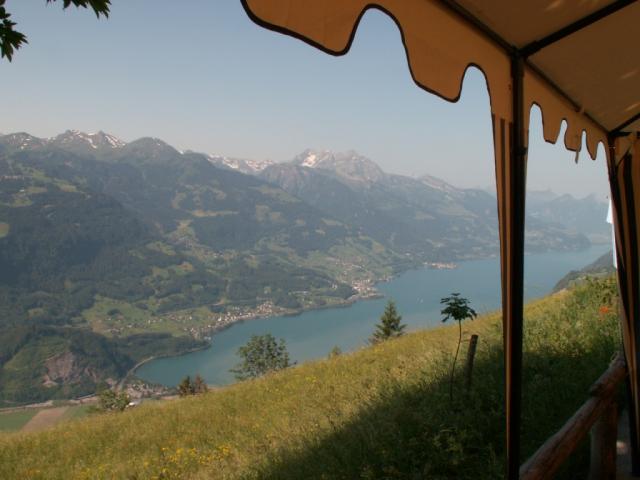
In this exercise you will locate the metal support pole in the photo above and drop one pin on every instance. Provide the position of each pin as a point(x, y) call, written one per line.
point(513, 265)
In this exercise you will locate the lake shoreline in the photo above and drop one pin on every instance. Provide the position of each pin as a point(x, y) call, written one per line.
point(254, 314)
point(210, 342)
point(347, 324)
point(132, 370)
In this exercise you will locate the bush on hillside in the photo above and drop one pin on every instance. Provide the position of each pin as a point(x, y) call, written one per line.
point(192, 387)
point(262, 354)
point(111, 401)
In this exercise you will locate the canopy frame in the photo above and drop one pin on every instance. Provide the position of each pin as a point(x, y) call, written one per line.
point(537, 45)
point(617, 131)
point(574, 27)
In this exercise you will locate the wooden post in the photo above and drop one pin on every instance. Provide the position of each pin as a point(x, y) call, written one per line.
point(471, 354)
point(603, 445)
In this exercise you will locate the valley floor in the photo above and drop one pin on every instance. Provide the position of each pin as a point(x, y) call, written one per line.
point(380, 412)
point(37, 418)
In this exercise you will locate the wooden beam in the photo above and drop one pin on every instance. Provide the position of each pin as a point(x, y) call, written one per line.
point(552, 454)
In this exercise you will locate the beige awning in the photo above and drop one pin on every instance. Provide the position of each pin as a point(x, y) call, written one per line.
point(578, 60)
point(590, 78)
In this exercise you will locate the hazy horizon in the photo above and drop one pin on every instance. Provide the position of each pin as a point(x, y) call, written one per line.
point(205, 78)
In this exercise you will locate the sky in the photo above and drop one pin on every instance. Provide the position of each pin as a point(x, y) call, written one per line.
point(200, 75)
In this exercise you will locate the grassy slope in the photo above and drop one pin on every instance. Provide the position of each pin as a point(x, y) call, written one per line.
point(12, 421)
point(15, 420)
point(381, 412)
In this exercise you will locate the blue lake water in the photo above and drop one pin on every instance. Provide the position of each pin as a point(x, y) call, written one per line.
point(417, 294)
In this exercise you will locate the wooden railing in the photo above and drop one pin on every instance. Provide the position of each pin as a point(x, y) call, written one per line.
point(598, 415)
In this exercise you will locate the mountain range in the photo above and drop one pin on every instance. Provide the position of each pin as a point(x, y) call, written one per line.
point(136, 243)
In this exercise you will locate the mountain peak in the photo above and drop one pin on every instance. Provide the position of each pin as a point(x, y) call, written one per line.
point(151, 141)
point(310, 159)
point(93, 141)
point(150, 148)
point(349, 165)
point(22, 140)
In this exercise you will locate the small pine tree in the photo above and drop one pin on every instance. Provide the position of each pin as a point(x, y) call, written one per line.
point(199, 385)
point(186, 387)
point(389, 326)
point(262, 354)
point(335, 351)
point(192, 387)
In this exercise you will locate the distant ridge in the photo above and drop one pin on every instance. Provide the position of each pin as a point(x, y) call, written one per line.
point(601, 267)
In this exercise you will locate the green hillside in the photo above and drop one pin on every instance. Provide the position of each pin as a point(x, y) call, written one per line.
point(380, 412)
point(123, 241)
point(51, 362)
point(215, 237)
point(601, 267)
point(424, 217)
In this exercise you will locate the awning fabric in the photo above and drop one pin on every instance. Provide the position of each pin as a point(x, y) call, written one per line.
point(597, 66)
point(578, 60)
point(624, 176)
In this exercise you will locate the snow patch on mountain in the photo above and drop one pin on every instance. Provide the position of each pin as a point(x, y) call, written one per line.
point(437, 184)
point(113, 141)
point(249, 167)
point(231, 163)
point(310, 161)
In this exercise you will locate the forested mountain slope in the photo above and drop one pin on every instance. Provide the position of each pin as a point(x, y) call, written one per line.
point(120, 239)
point(424, 217)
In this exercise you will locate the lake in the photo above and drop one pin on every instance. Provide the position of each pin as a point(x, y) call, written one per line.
point(417, 294)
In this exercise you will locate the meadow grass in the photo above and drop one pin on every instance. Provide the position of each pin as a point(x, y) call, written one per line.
point(12, 421)
point(76, 412)
point(380, 412)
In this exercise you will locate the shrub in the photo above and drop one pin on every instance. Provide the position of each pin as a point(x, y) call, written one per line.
point(110, 401)
point(262, 354)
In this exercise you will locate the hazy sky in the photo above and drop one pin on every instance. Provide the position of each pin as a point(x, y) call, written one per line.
point(200, 75)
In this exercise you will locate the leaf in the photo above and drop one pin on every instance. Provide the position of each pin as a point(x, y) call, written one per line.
point(11, 39)
point(100, 7)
